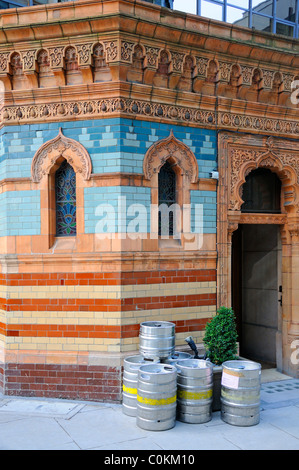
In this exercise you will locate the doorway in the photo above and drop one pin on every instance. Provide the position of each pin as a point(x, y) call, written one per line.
point(257, 291)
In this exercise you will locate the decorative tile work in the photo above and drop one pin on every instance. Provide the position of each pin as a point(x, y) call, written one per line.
point(20, 213)
point(209, 201)
point(114, 145)
point(116, 200)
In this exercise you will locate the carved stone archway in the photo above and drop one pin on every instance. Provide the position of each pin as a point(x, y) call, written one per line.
point(239, 154)
point(44, 165)
point(172, 148)
point(185, 166)
point(48, 154)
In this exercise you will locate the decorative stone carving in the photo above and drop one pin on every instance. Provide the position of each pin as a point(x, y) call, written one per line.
point(202, 65)
point(61, 146)
point(170, 147)
point(126, 50)
point(152, 54)
point(268, 77)
point(177, 59)
point(56, 56)
point(4, 61)
point(225, 71)
point(84, 53)
point(111, 49)
point(246, 74)
point(28, 58)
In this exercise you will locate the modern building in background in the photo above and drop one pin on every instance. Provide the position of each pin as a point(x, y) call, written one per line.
point(109, 109)
point(274, 16)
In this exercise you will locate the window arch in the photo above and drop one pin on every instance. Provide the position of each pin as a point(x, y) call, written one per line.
point(261, 192)
point(65, 199)
point(51, 159)
point(173, 160)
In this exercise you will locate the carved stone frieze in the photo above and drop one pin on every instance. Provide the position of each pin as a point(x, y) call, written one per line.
point(85, 108)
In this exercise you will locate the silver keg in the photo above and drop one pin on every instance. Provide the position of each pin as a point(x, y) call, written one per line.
point(194, 390)
point(157, 339)
point(156, 397)
point(130, 380)
point(177, 356)
point(240, 392)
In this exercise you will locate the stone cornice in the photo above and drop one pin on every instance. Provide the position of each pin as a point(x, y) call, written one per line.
point(114, 99)
point(89, 17)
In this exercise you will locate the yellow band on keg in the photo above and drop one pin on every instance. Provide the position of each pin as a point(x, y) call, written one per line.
point(153, 402)
point(131, 391)
point(185, 395)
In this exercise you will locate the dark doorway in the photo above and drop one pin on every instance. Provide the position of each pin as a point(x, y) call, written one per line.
point(256, 281)
point(256, 271)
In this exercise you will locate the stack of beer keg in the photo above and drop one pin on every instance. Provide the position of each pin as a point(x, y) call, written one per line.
point(161, 385)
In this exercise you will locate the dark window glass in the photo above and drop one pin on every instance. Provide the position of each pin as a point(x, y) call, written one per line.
point(167, 196)
point(261, 192)
point(65, 191)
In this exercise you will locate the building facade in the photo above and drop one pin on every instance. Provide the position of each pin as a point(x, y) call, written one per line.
point(108, 109)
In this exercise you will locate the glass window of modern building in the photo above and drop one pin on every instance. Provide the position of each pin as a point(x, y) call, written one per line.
point(274, 16)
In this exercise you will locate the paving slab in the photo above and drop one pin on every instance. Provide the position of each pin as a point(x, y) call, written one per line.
point(34, 434)
point(55, 408)
point(49, 424)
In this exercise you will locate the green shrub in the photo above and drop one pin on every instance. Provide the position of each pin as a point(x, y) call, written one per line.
point(221, 336)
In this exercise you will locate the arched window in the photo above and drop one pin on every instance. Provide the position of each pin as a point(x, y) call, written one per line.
point(167, 197)
point(261, 192)
point(65, 194)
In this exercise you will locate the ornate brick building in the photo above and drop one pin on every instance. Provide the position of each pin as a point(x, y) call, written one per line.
point(103, 103)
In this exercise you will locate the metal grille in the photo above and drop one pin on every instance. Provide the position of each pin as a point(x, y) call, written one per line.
point(167, 197)
point(65, 191)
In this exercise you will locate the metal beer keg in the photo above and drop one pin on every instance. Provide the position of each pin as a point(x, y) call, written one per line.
point(130, 380)
point(194, 390)
point(157, 339)
point(156, 397)
point(240, 392)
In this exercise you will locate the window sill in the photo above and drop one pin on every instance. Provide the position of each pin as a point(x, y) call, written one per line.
point(170, 243)
point(65, 243)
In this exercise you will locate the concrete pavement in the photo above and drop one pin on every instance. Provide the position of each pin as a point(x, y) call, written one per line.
point(50, 424)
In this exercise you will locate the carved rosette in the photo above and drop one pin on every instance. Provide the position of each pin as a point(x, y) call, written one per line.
point(61, 146)
point(167, 148)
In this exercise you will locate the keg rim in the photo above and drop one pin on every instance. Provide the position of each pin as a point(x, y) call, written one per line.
point(188, 363)
point(157, 368)
point(157, 324)
point(138, 359)
point(239, 365)
point(176, 354)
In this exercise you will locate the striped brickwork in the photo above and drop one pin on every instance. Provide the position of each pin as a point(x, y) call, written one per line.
point(65, 321)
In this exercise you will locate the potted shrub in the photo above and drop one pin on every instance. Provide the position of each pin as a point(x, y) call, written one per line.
point(220, 341)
